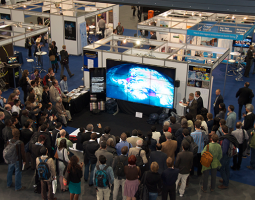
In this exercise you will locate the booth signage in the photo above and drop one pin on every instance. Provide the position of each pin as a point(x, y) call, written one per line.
point(199, 77)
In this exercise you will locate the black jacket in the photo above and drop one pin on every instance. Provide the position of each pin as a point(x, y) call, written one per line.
point(54, 136)
point(23, 119)
point(89, 148)
point(249, 121)
point(45, 98)
point(64, 55)
point(124, 160)
point(152, 180)
point(159, 157)
point(25, 135)
point(184, 162)
point(245, 95)
point(47, 142)
point(216, 104)
point(175, 127)
point(7, 115)
point(200, 105)
point(35, 150)
point(82, 137)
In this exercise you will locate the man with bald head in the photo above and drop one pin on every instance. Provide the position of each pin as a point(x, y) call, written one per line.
point(138, 150)
point(169, 146)
point(217, 101)
point(241, 136)
point(8, 111)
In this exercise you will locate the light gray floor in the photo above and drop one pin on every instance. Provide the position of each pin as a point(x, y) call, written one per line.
point(127, 19)
point(236, 191)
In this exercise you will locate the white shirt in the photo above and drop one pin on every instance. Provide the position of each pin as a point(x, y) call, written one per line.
point(204, 124)
point(16, 109)
point(156, 136)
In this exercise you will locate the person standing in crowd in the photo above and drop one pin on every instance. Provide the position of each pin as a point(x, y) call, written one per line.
point(199, 99)
point(209, 122)
point(151, 143)
point(242, 137)
point(203, 123)
point(81, 137)
point(107, 135)
point(49, 76)
point(231, 119)
point(225, 160)
point(35, 75)
point(222, 111)
point(134, 9)
point(75, 174)
point(63, 84)
point(47, 183)
point(132, 140)
point(248, 60)
point(169, 177)
point(65, 62)
point(90, 159)
point(102, 151)
point(55, 134)
point(217, 101)
point(174, 126)
point(101, 25)
point(165, 129)
point(184, 162)
point(155, 134)
point(118, 166)
point(245, 95)
point(62, 134)
point(24, 83)
point(55, 92)
point(252, 146)
point(63, 161)
point(133, 174)
point(191, 106)
point(152, 180)
point(169, 146)
point(16, 106)
point(216, 151)
point(158, 157)
point(103, 191)
point(53, 57)
point(63, 114)
point(110, 147)
point(123, 143)
point(138, 150)
point(199, 140)
point(16, 164)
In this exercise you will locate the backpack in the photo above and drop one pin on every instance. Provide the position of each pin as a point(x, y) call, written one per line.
point(139, 159)
point(232, 151)
point(206, 158)
point(101, 177)
point(9, 154)
point(193, 147)
point(153, 118)
point(162, 117)
point(44, 80)
point(120, 168)
point(43, 169)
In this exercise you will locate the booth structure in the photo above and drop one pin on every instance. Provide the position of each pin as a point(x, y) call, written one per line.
point(66, 19)
point(193, 72)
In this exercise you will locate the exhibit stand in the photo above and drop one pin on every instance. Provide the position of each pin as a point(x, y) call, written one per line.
point(66, 19)
point(192, 76)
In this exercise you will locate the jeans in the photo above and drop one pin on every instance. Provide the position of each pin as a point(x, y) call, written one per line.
point(86, 173)
point(18, 175)
point(153, 196)
point(206, 174)
point(183, 178)
point(252, 163)
point(63, 66)
point(196, 162)
point(225, 169)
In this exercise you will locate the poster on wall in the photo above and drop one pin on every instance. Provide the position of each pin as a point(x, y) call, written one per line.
point(90, 59)
point(209, 41)
point(5, 16)
point(199, 77)
point(83, 34)
point(70, 30)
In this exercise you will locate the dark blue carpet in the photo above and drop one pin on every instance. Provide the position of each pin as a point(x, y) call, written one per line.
point(245, 175)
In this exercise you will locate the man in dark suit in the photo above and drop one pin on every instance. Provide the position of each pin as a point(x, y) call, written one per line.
point(174, 126)
point(55, 134)
point(82, 136)
point(191, 105)
point(7, 112)
point(245, 95)
point(199, 99)
point(159, 157)
point(217, 101)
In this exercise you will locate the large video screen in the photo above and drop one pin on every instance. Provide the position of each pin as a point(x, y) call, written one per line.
point(140, 83)
point(242, 43)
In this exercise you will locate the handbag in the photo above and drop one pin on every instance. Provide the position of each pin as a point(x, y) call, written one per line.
point(142, 193)
point(66, 178)
point(52, 58)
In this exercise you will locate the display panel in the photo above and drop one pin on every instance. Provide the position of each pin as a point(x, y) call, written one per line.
point(242, 43)
point(70, 30)
point(140, 83)
point(97, 80)
point(12, 59)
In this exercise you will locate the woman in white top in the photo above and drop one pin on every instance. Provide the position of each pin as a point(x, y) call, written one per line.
point(203, 123)
point(63, 161)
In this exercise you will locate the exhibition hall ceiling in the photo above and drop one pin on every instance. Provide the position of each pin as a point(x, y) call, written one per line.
point(226, 6)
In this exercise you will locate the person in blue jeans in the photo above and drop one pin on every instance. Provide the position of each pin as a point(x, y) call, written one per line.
point(225, 160)
point(152, 180)
point(89, 148)
point(252, 145)
point(16, 165)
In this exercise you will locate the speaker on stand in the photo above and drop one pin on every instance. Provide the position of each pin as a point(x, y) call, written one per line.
point(176, 85)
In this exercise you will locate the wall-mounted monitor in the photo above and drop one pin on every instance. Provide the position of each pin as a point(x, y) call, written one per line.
point(140, 83)
point(242, 43)
point(70, 30)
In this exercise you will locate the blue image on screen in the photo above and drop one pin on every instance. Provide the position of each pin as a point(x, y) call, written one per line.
point(140, 83)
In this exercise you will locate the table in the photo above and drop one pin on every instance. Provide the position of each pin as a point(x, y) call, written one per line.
point(78, 104)
point(184, 107)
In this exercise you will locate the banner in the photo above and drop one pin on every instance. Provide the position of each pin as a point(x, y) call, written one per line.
point(83, 34)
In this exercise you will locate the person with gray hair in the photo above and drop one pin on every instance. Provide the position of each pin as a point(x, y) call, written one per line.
point(90, 127)
point(169, 146)
point(138, 150)
point(248, 118)
point(63, 114)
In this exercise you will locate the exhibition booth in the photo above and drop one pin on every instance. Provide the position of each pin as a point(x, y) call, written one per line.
point(161, 77)
point(66, 19)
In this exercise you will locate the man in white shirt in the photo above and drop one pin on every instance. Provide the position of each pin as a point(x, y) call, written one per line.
point(16, 106)
point(155, 134)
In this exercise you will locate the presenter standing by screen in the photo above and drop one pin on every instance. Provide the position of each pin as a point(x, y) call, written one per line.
point(191, 105)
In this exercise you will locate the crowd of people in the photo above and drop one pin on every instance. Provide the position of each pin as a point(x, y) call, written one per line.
point(161, 160)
